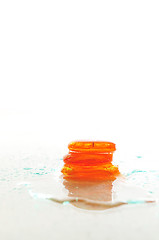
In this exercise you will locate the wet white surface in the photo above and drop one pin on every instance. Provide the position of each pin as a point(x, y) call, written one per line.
point(27, 214)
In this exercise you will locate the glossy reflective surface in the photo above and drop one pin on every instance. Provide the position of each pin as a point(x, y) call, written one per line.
point(36, 202)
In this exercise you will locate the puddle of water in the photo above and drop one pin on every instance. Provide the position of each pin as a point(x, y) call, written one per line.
point(137, 185)
point(90, 195)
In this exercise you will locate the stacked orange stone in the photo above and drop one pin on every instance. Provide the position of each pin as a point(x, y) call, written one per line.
point(90, 161)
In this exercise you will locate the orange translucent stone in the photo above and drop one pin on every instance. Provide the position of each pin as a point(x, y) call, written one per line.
point(90, 161)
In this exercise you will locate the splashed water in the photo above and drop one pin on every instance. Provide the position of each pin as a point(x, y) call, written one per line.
point(136, 185)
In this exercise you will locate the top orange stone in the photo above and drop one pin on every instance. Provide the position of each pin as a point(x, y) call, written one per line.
point(92, 146)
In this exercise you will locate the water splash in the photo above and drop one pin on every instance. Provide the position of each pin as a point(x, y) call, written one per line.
point(138, 186)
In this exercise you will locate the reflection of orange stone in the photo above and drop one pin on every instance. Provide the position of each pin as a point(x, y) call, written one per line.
point(90, 161)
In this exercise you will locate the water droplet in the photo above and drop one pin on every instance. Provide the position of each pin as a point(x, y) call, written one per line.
point(66, 202)
point(27, 168)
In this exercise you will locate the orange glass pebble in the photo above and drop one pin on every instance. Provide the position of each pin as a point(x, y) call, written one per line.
point(90, 161)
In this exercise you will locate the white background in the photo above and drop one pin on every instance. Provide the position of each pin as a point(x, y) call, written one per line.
point(80, 70)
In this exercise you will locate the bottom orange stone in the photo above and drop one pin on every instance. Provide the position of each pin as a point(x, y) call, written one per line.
point(90, 161)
